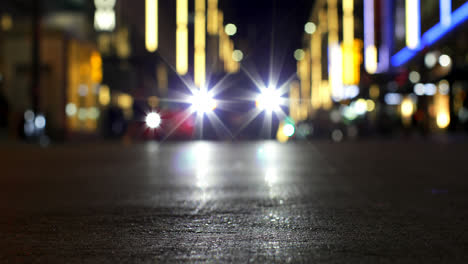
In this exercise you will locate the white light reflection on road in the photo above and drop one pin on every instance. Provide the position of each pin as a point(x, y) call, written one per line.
point(267, 158)
point(202, 157)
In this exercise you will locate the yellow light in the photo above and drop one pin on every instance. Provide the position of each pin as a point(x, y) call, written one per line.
point(407, 108)
point(125, 101)
point(212, 27)
point(280, 135)
point(316, 67)
point(333, 25)
point(153, 101)
point(294, 106)
point(443, 120)
point(348, 21)
point(221, 33)
point(151, 9)
point(441, 108)
point(200, 43)
point(374, 91)
point(370, 105)
point(413, 30)
point(96, 61)
point(371, 59)
point(104, 95)
point(6, 22)
point(182, 37)
point(96, 67)
point(352, 60)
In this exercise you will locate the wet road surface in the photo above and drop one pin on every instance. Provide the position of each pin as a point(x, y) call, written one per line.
point(363, 202)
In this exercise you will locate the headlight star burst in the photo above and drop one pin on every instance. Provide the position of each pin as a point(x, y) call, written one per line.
point(153, 120)
point(203, 102)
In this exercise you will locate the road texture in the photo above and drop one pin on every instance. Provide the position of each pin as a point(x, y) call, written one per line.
point(361, 202)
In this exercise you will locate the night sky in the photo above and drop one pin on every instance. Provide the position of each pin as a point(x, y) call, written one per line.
point(265, 26)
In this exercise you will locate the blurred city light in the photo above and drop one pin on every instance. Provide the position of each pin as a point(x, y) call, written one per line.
point(125, 101)
point(370, 50)
point(430, 60)
point(370, 105)
point(151, 25)
point(371, 59)
point(419, 89)
point(374, 91)
point(393, 98)
point(40, 122)
point(299, 54)
point(29, 115)
point(444, 60)
point(360, 106)
point(413, 23)
point(443, 120)
point(433, 34)
point(407, 107)
point(430, 89)
point(237, 55)
point(6, 22)
point(93, 113)
point(414, 77)
point(337, 135)
point(444, 87)
point(200, 43)
point(310, 28)
point(446, 12)
point(289, 130)
point(104, 95)
point(70, 109)
point(104, 16)
point(212, 17)
point(153, 120)
point(230, 29)
point(182, 37)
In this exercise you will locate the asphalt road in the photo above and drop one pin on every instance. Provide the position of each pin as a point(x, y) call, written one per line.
point(361, 202)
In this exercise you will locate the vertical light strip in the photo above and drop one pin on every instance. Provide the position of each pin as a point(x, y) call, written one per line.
point(445, 12)
point(212, 18)
point(182, 37)
point(221, 34)
point(200, 42)
point(413, 23)
point(335, 61)
point(348, 21)
point(370, 51)
point(348, 43)
point(151, 10)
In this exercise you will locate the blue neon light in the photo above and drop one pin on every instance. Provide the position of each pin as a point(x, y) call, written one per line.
point(445, 12)
point(433, 35)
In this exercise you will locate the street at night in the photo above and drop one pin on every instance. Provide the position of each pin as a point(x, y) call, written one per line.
point(234, 131)
point(375, 201)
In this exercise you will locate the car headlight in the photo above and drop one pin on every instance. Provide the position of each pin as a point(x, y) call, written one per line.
point(269, 99)
point(203, 102)
point(153, 120)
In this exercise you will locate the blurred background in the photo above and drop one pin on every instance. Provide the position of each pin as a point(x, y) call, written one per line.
point(216, 69)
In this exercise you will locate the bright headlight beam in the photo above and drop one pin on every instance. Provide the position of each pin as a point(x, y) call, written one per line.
point(203, 102)
point(269, 99)
point(153, 120)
